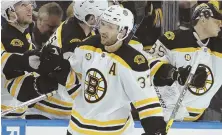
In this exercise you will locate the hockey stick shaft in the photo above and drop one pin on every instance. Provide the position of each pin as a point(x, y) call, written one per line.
point(184, 90)
point(27, 103)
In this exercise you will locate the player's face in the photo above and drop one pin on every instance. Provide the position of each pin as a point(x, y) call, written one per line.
point(48, 24)
point(108, 33)
point(212, 27)
point(24, 11)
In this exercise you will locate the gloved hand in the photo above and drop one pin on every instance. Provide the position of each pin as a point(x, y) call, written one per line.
point(51, 58)
point(53, 64)
point(198, 80)
point(45, 84)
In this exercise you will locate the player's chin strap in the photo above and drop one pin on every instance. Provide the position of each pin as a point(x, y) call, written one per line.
point(116, 45)
point(195, 63)
point(199, 42)
point(30, 102)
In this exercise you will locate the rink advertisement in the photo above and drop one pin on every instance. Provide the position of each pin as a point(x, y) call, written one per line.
point(58, 127)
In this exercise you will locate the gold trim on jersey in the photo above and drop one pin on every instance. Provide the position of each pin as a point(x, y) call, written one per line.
point(70, 79)
point(193, 49)
point(148, 107)
point(59, 102)
point(59, 35)
point(16, 85)
point(147, 47)
point(53, 111)
point(156, 66)
point(112, 55)
point(21, 110)
point(134, 42)
point(198, 113)
point(95, 127)
point(2, 47)
point(4, 59)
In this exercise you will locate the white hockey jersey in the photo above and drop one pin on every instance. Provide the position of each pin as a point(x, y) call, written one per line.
point(109, 83)
point(181, 48)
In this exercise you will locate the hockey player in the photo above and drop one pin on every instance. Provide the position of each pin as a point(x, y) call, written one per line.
point(16, 48)
point(15, 39)
point(108, 67)
point(77, 28)
point(181, 47)
point(111, 78)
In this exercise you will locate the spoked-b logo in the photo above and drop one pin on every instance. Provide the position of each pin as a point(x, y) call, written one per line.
point(9, 128)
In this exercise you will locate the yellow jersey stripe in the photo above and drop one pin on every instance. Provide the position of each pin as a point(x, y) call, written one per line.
point(74, 127)
point(5, 57)
point(156, 67)
point(134, 42)
point(145, 102)
point(15, 85)
point(60, 102)
point(120, 60)
point(98, 50)
point(150, 112)
point(193, 49)
point(96, 122)
point(71, 79)
point(21, 110)
point(195, 110)
point(59, 35)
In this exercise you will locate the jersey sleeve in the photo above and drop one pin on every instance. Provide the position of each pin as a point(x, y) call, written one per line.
point(144, 98)
point(161, 47)
point(56, 37)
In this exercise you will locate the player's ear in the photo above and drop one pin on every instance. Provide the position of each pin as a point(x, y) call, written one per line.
point(123, 33)
point(91, 20)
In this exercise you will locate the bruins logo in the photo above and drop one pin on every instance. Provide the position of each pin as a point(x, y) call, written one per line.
point(187, 57)
point(88, 56)
point(169, 35)
point(139, 59)
point(95, 86)
point(17, 42)
point(75, 40)
point(208, 84)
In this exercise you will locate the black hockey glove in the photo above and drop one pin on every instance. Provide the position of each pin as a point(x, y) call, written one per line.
point(53, 64)
point(50, 59)
point(162, 132)
point(45, 84)
point(198, 80)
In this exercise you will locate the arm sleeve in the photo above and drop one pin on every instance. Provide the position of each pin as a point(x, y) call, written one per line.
point(11, 64)
point(22, 87)
point(143, 96)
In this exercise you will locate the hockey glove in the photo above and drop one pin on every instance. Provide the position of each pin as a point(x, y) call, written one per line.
point(45, 84)
point(53, 64)
point(50, 59)
point(198, 80)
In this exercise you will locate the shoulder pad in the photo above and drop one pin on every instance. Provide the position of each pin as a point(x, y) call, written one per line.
point(136, 60)
point(177, 39)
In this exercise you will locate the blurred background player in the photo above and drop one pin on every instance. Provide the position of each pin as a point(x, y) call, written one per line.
point(180, 46)
point(49, 18)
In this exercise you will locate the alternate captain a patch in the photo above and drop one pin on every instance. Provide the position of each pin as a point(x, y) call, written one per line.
point(95, 86)
point(17, 42)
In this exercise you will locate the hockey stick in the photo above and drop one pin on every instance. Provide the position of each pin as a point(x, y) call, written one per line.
point(27, 103)
point(184, 90)
point(136, 26)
